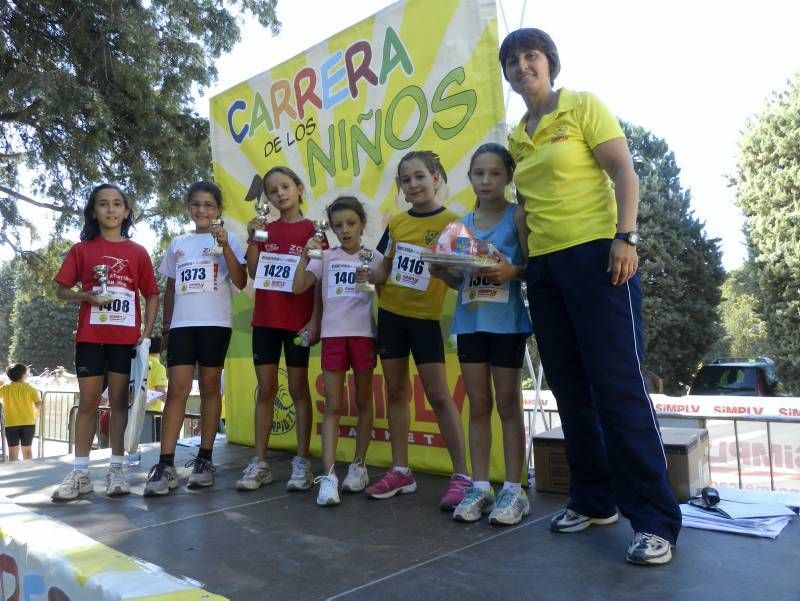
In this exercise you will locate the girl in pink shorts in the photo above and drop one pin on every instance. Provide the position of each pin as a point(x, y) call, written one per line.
point(348, 338)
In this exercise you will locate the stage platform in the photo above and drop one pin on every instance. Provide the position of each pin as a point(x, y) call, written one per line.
point(270, 544)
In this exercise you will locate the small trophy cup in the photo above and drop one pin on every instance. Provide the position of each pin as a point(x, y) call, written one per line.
point(365, 256)
point(320, 226)
point(262, 210)
point(101, 273)
point(216, 249)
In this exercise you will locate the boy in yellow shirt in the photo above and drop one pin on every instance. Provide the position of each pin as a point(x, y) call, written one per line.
point(20, 404)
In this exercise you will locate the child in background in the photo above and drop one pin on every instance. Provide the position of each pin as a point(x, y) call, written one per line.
point(107, 331)
point(197, 325)
point(278, 316)
point(21, 402)
point(348, 339)
point(156, 377)
point(408, 321)
point(492, 325)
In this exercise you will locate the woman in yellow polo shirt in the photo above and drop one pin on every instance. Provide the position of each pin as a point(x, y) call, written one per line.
point(580, 192)
point(20, 402)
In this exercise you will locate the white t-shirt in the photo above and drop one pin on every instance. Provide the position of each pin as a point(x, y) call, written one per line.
point(345, 310)
point(203, 287)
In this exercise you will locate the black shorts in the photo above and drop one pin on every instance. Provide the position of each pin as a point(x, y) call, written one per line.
point(20, 435)
point(397, 335)
point(94, 359)
point(203, 345)
point(267, 343)
point(498, 350)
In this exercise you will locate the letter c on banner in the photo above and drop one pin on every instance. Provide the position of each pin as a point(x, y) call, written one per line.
point(9, 566)
point(239, 105)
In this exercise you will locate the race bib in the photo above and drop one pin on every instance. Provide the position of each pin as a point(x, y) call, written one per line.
point(342, 279)
point(408, 269)
point(275, 271)
point(121, 311)
point(196, 276)
point(479, 289)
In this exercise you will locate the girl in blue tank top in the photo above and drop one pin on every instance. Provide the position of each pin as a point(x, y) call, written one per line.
point(492, 326)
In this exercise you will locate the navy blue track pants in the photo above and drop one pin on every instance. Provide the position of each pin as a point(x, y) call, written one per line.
point(591, 342)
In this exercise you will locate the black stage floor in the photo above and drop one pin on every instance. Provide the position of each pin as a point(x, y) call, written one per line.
point(270, 544)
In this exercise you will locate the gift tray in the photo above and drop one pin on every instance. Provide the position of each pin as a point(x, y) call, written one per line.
point(451, 260)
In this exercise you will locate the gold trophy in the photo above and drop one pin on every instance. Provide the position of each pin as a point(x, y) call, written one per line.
point(101, 273)
point(365, 256)
point(262, 210)
point(319, 235)
point(216, 249)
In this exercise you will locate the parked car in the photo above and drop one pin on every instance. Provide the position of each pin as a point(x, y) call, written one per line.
point(736, 376)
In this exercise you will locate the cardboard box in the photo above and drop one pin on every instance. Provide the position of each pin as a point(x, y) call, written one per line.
point(687, 461)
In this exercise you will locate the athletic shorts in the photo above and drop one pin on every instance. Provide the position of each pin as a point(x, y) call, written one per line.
point(94, 359)
point(341, 352)
point(498, 350)
point(20, 435)
point(267, 343)
point(397, 335)
point(203, 345)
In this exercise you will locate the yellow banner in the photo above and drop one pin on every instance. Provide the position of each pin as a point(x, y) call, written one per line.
point(416, 75)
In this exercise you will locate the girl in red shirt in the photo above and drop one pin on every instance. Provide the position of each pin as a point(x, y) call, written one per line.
point(109, 327)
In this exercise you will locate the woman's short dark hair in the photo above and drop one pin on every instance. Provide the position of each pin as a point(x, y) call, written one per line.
point(530, 38)
point(209, 187)
point(350, 203)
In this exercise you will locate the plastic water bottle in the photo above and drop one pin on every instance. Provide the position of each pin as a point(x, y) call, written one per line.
point(452, 343)
point(302, 338)
point(134, 458)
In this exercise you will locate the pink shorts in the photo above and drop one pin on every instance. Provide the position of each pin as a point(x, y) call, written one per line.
point(342, 352)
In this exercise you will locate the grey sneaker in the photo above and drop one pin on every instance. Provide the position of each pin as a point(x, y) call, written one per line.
point(511, 508)
point(649, 550)
point(255, 474)
point(161, 479)
point(328, 490)
point(116, 483)
point(572, 521)
point(474, 505)
point(357, 477)
point(302, 477)
point(202, 475)
point(75, 483)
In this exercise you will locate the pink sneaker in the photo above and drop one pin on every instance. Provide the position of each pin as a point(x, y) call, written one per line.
point(456, 491)
point(392, 483)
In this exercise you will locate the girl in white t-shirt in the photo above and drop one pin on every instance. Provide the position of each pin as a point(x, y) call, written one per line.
point(348, 338)
point(200, 268)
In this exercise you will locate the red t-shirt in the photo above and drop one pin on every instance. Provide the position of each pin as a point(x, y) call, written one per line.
point(283, 310)
point(129, 270)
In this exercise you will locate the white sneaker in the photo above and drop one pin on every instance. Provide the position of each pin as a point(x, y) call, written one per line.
point(302, 476)
point(255, 474)
point(75, 483)
point(116, 484)
point(649, 550)
point(511, 507)
point(357, 477)
point(328, 489)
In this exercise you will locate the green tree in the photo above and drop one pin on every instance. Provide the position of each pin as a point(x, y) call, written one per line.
point(95, 91)
point(7, 292)
point(681, 268)
point(768, 192)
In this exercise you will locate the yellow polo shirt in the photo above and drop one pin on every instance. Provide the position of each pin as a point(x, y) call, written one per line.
point(410, 290)
point(157, 376)
point(569, 199)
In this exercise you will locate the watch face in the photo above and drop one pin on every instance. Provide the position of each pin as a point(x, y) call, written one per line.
point(633, 238)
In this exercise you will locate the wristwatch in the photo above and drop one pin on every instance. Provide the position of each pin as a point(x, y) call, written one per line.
point(631, 238)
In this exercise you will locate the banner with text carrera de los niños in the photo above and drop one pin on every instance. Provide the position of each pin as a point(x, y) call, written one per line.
point(416, 75)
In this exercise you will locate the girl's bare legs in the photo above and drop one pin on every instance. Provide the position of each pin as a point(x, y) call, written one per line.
point(211, 404)
point(398, 386)
point(366, 412)
point(118, 398)
point(334, 405)
point(508, 390)
point(90, 389)
point(267, 377)
point(178, 390)
point(301, 395)
point(434, 381)
point(476, 381)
